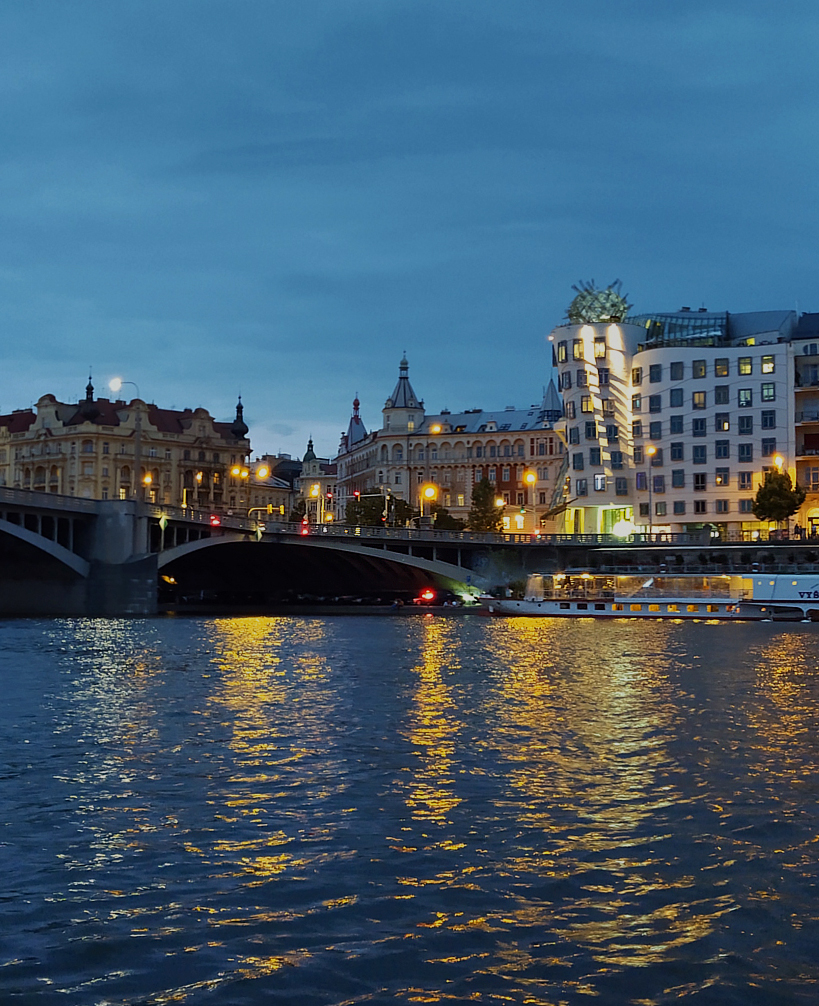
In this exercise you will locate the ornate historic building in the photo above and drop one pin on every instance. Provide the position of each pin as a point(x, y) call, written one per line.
point(447, 453)
point(101, 449)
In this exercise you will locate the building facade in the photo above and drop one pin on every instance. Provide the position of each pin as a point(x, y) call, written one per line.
point(672, 420)
point(519, 450)
point(101, 449)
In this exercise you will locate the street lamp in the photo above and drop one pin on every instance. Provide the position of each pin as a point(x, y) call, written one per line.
point(779, 461)
point(428, 492)
point(315, 493)
point(650, 451)
point(530, 478)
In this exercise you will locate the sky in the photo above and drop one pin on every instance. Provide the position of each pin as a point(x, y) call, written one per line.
point(277, 199)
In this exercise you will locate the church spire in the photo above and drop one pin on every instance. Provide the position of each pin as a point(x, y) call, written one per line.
point(239, 426)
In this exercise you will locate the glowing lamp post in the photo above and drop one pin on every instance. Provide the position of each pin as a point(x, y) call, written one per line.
point(650, 451)
point(428, 493)
point(530, 478)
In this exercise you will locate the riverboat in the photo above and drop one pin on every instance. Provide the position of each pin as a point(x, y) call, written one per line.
point(758, 597)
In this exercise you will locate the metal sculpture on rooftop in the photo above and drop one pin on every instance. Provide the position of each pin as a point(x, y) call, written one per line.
point(592, 305)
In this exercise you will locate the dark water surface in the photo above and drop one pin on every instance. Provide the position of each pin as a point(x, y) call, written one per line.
point(411, 810)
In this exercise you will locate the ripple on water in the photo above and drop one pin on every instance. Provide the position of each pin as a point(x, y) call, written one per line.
point(434, 810)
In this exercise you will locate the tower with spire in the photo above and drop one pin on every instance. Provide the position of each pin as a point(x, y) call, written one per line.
point(403, 411)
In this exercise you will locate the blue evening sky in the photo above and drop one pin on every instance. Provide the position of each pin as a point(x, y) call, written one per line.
point(278, 198)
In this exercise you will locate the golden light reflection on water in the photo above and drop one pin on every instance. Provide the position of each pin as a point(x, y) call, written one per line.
point(433, 726)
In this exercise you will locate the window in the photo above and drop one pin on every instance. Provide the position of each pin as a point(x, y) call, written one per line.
point(700, 480)
point(655, 431)
point(620, 486)
point(581, 487)
point(561, 352)
point(616, 459)
point(699, 454)
point(586, 403)
point(577, 349)
point(700, 506)
point(746, 506)
point(660, 511)
point(504, 474)
point(641, 480)
point(603, 376)
point(186, 455)
point(745, 453)
point(678, 478)
point(722, 394)
point(746, 426)
point(721, 367)
point(675, 399)
point(698, 427)
point(582, 379)
point(677, 451)
point(599, 483)
point(577, 462)
point(722, 422)
point(658, 483)
point(591, 431)
point(722, 477)
point(636, 428)
point(599, 347)
point(636, 375)
point(745, 398)
point(657, 458)
point(644, 509)
point(594, 456)
point(612, 434)
point(698, 400)
point(565, 381)
point(722, 448)
point(721, 506)
point(574, 435)
point(767, 364)
point(571, 410)
point(676, 425)
point(655, 403)
point(655, 373)
point(768, 447)
point(105, 448)
point(768, 391)
point(745, 366)
point(679, 506)
point(698, 368)
point(638, 454)
point(636, 403)
point(676, 371)
point(746, 481)
point(608, 406)
point(769, 419)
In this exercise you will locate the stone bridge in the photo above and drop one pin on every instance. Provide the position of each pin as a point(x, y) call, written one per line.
point(66, 556)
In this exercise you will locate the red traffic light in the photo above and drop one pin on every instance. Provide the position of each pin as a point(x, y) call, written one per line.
point(215, 520)
point(356, 493)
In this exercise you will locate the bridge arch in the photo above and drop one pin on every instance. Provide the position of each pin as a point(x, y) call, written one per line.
point(47, 547)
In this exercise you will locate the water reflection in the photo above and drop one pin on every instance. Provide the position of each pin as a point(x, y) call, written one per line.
point(433, 726)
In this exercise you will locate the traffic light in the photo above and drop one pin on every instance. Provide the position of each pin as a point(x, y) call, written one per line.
point(281, 509)
point(357, 493)
point(270, 508)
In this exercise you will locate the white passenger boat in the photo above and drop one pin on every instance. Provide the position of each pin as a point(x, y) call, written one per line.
point(775, 597)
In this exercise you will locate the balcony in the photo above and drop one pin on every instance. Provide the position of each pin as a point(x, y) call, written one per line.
point(808, 417)
point(807, 452)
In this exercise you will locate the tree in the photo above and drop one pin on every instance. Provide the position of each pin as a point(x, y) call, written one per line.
point(366, 510)
point(777, 499)
point(444, 521)
point(484, 515)
point(401, 513)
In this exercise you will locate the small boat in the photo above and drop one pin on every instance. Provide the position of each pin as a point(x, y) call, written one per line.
point(732, 596)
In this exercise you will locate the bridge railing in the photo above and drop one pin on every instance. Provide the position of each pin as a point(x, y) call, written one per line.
point(37, 500)
point(268, 525)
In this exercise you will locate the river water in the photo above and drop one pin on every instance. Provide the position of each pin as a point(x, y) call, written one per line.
point(408, 810)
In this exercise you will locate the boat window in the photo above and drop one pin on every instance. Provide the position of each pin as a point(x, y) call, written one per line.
point(654, 607)
point(582, 606)
point(565, 604)
point(617, 607)
point(673, 607)
point(599, 607)
point(692, 607)
point(713, 607)
point(635, 607)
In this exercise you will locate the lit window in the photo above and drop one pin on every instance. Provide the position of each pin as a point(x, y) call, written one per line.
point(599, 347)
point(586, 404)
point(577, 349)
point(698, 400)
point(767, 364)
point(721, 367)
point(745, 398)
point(599, 483)
point(745, 366)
